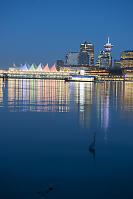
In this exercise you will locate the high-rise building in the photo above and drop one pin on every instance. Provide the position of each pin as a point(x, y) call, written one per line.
point(104, 61)
point(108, 46)
point(127, 59)
point(89, 48)
point(72, 59)
point(59, 64)
point(98, 58)
point(83, 59)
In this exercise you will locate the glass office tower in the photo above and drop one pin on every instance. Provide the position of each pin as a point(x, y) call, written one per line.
point(89, 48)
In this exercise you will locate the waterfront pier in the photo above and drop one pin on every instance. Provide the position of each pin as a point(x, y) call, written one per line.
point(98, 75)
point(33, 75)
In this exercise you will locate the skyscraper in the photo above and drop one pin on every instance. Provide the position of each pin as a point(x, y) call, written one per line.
point(108, 46)
point(72, 59)
point(89, 48)
point(99, 59)
point(59, 64)
point(127, 59)
point(83, 59)
point(104, 61)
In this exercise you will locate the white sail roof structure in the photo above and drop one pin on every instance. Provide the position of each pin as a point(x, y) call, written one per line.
point(46, 68)
point(39, 68)
point(24, 68)
point(32, 68)
point(53, 69)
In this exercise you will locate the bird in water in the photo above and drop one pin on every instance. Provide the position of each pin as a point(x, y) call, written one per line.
point(92, 146)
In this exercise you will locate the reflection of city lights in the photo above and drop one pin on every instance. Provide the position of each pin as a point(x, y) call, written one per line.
point(39, 95)
point(82, 93)
point(1, 90)
point(126, 96)
point(82, 98)
point(102, 99)
point(106, 114)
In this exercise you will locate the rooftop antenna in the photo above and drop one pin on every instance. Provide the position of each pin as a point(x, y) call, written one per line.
point(108, 40)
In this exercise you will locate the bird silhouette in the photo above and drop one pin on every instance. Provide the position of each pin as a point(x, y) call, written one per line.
point(92, 146)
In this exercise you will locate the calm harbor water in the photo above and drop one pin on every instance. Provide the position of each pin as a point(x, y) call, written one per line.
point(47, 128)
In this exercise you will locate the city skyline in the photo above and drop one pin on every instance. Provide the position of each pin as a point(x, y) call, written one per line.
point(38, 31)
point(75, 57)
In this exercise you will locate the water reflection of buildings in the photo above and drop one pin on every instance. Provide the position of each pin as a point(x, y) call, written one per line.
point(82, 94)
point(1, 90)
point(38, 95)
point(58, 96)
point(126, 96)
point(107, 96)
point(123, 96)
point(85, 99)
point(91, 97)
point(103, 92)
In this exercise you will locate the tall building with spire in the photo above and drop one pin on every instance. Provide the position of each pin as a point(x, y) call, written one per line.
point(104, 60)
point(108, 47)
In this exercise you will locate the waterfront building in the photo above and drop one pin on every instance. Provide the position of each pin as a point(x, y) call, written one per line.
point(24, 68)
point(83, 59)
point(39, 68)
point(53, 69)
point(88, 48)
point(12, 70)
point(46, 68)
point(59, 64)
point(28, 66)
point(72, 59)
point(32, 68)
point(127, 59)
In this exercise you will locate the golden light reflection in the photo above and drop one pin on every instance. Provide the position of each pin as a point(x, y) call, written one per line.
point(103, 93)
point(82, 94)
point(38, 95)
point(1, 90)
point(91, 101)
point(126, 96)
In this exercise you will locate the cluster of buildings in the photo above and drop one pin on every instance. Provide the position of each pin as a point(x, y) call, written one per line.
point(85, 58)
point(80, 64)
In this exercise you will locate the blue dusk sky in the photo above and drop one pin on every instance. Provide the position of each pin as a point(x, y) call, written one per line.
point(36, 31)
